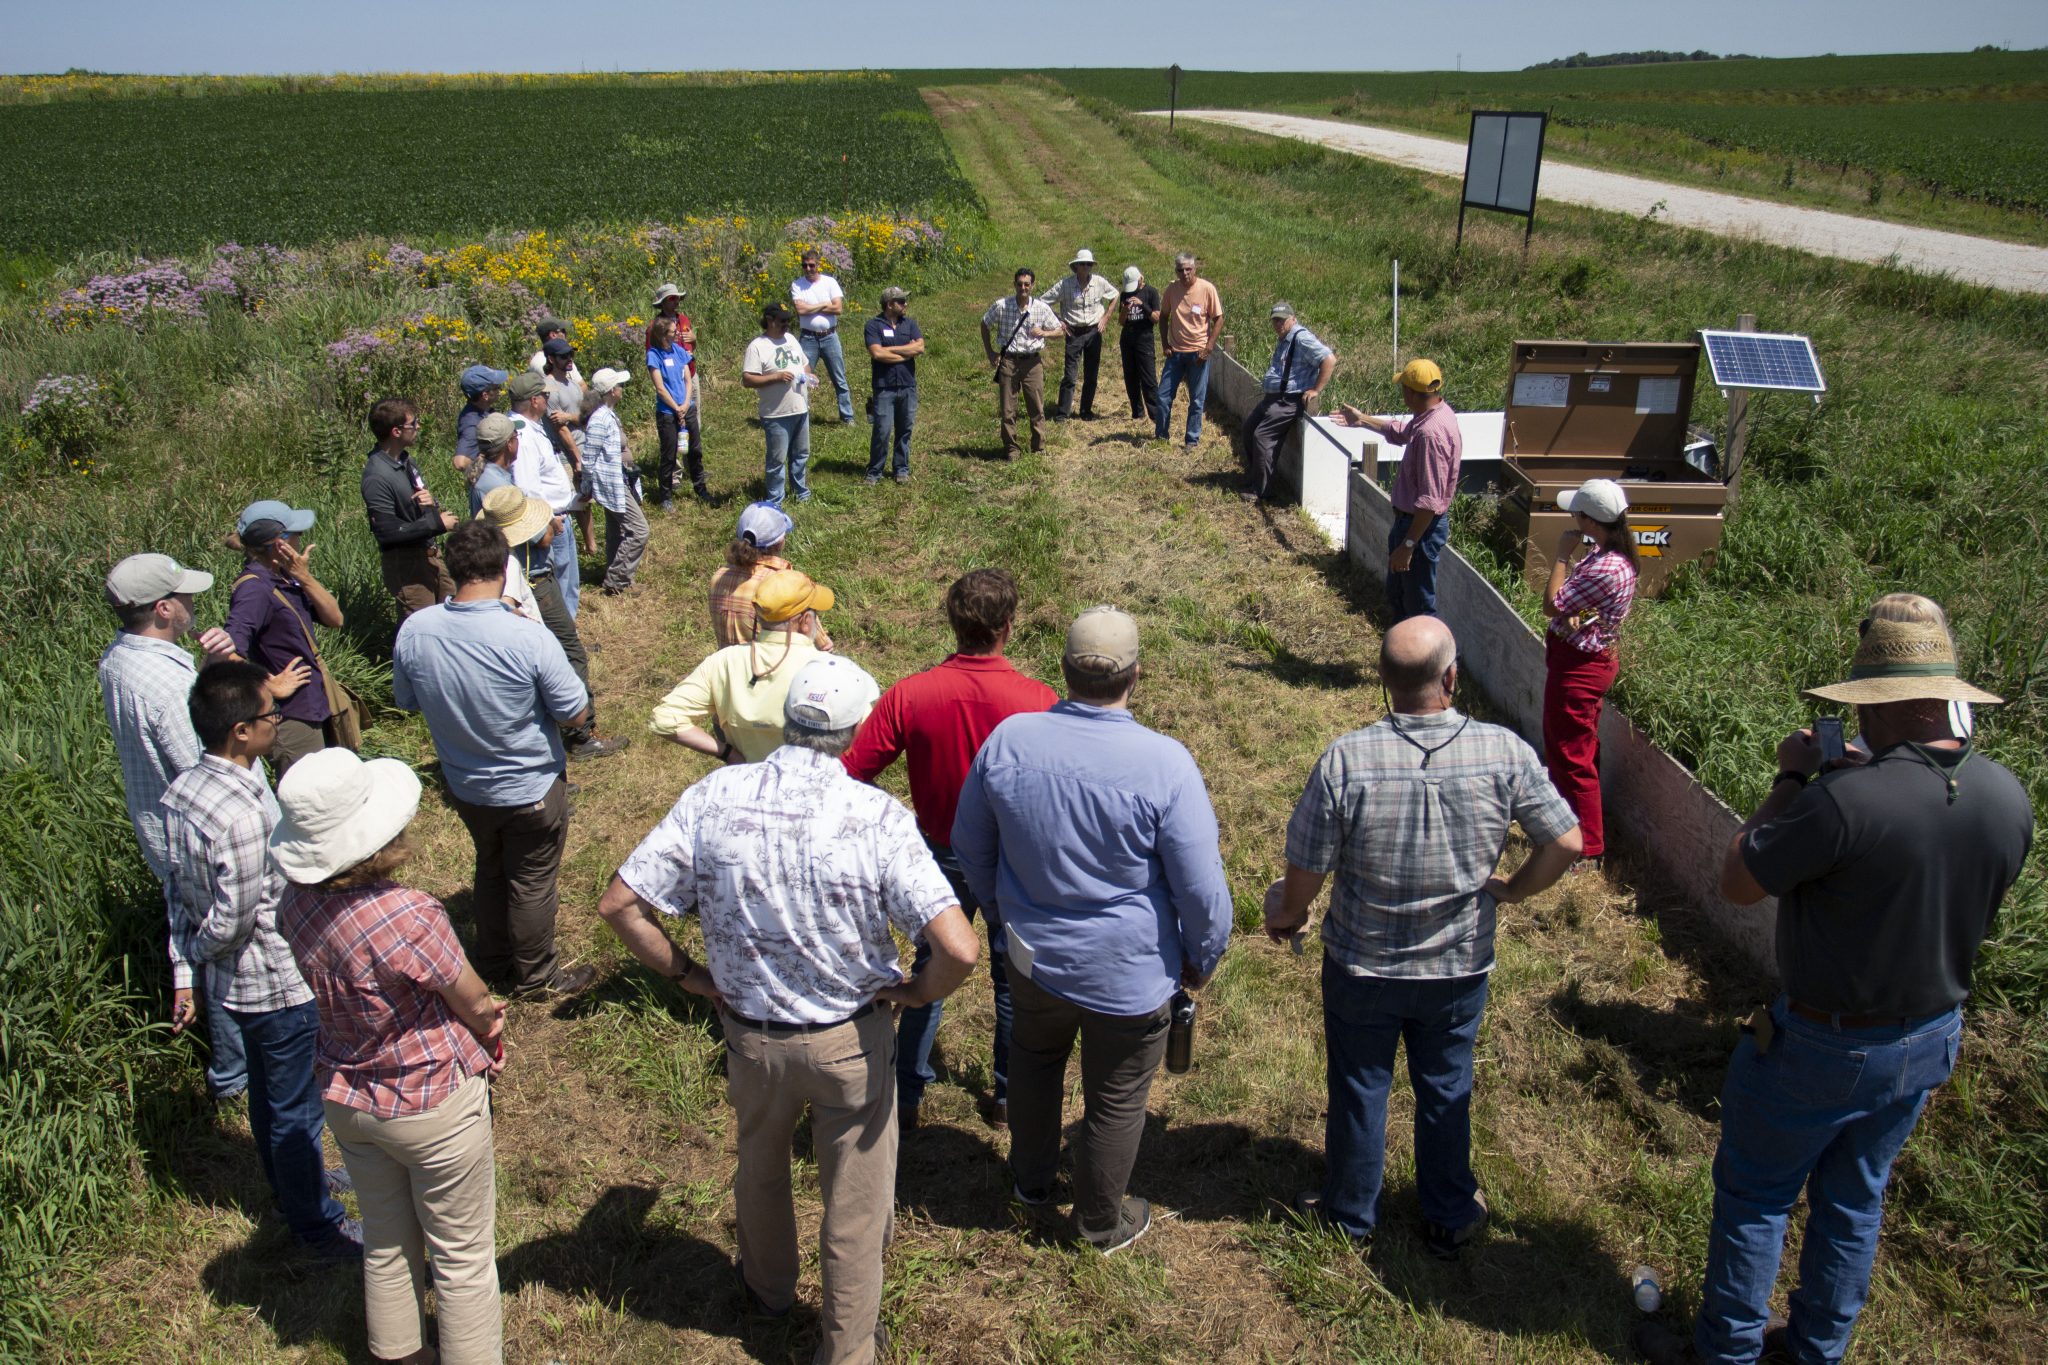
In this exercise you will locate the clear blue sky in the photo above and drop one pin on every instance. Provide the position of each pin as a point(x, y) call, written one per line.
point(301, 36)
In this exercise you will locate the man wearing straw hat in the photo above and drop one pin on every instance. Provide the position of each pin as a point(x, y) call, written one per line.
point(1081, 301)
point(1888, 870)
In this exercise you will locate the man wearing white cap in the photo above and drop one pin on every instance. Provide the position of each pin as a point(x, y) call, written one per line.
point(1081, 302)
point(145, 682)
point(1299, 371)
point(1889, 870)
point(1137, 308)
point(604, 456)
point(797, 874)
point(1094, 838)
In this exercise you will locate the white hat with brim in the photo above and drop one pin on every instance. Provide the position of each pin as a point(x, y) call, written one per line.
point(1601, 499)
point(338, 810)
point(140, 580)
point(1133, 277)
point(1083, 257)
point(604, 381)
point(1903, 661)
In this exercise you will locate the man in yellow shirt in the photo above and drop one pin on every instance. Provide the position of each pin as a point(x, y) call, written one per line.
point(730, 707)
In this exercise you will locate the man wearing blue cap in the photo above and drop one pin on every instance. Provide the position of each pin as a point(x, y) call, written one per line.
point(480, 385)
point(276, 600)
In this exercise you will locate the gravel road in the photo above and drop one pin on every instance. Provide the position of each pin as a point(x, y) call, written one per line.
point(1979, 260)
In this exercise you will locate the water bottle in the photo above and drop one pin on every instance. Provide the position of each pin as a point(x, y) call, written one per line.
point(1180, 1034)
point(682, 442)
point(1647, 1288)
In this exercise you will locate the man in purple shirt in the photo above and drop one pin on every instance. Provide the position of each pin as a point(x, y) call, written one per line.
point(1423, 487)
point(270, 618)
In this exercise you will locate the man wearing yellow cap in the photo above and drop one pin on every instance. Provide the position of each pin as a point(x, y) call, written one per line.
point(1889, 868)
point(730, 707)
point(1423, 487)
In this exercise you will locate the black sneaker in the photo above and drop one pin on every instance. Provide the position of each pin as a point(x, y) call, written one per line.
point(1659, 1345)
point(338, 1244)
point(1445, 1243)
point(1032, 1199)
point(1133, 1221)
point(595, 747)
point(756, 1306)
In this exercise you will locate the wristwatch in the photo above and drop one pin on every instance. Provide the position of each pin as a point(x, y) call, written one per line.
point(1408, 544)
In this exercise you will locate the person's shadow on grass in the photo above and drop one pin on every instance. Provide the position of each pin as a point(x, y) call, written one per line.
point(628, 1253)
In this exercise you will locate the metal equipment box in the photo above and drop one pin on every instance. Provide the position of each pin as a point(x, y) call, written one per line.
point(1579, 410)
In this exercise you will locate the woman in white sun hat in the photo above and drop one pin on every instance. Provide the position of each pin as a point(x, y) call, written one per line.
point(409, 1037)
point(1586, 603)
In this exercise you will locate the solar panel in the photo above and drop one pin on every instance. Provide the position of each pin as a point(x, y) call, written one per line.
point(1763, 360)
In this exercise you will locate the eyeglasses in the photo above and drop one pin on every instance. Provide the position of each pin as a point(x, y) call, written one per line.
point(274, 715)
point(413, 425)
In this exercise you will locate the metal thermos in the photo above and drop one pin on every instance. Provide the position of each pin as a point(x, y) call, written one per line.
point(1180, 1034)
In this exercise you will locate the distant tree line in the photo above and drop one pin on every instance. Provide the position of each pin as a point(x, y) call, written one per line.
point(1635, 59)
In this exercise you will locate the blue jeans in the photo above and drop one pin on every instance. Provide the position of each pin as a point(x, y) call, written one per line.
point(789, 440)
point(1181, 365)
point(227, 1065)
point(895, 415)
point(826, 348)
point(1828, 1110)
point(1414, 593)
point(286, 1115)
point(920, 1026)
point(562, 557)
point(1364, 1019)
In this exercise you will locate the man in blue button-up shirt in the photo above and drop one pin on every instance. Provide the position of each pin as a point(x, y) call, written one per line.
point(1094, 840)
point(1300, 369)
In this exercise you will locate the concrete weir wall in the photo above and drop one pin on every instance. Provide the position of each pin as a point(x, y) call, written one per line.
point(1654, 806)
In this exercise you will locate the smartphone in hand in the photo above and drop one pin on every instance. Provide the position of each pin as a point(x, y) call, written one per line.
point(1827, 731)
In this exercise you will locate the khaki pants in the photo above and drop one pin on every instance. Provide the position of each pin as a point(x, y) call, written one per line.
point(428, 1183)
point(295, 740)
point(415, 576)
point(848, 1077)
point(1021, 374)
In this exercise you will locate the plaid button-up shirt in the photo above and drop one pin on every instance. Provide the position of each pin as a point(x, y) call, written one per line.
point(732, 603)
point(1599, 591)
point(1011, 337)
point(377, 958)
point(146, 683)
point(604, 456)
point(1413, 836)
point(224, 889)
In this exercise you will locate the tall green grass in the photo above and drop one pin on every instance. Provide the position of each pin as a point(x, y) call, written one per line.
point(223, 411)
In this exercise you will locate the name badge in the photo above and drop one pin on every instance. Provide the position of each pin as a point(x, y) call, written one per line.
point(888, 331)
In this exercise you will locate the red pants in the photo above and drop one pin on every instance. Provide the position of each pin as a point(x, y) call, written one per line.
point(1574, 685)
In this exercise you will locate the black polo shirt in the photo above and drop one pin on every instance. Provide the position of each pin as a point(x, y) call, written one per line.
point(1885, 888)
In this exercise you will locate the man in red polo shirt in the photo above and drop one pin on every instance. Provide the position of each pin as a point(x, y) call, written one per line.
point(939, 718)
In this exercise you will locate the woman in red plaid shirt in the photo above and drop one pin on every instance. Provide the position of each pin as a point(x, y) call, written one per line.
point(1586, 603)
point(409, 1037)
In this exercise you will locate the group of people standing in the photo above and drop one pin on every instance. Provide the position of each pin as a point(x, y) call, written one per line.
point(341, 999)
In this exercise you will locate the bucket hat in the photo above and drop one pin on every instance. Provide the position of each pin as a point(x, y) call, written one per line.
point(338, 810)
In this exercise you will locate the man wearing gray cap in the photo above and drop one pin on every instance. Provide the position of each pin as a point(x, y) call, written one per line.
point(894, 343)
point(1294, 382)
point(798, 875)
point(1081, 301)
point(145, 683)
point(1094, 839)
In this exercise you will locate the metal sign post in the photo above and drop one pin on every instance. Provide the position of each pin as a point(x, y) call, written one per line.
point(1503, 157)
point(1172, 93)
point(1397, 314)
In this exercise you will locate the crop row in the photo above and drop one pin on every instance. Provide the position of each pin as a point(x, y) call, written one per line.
point(171, 174)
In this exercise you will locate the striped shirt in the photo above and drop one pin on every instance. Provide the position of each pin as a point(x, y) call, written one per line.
point(377, 958)
point(224, 889)
point(1010, 325)
point(1599, 591)
point(1413, 837)
point(604, 456)
point(146, 683)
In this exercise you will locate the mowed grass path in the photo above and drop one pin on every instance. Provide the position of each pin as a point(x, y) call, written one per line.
point(1598, 1068)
